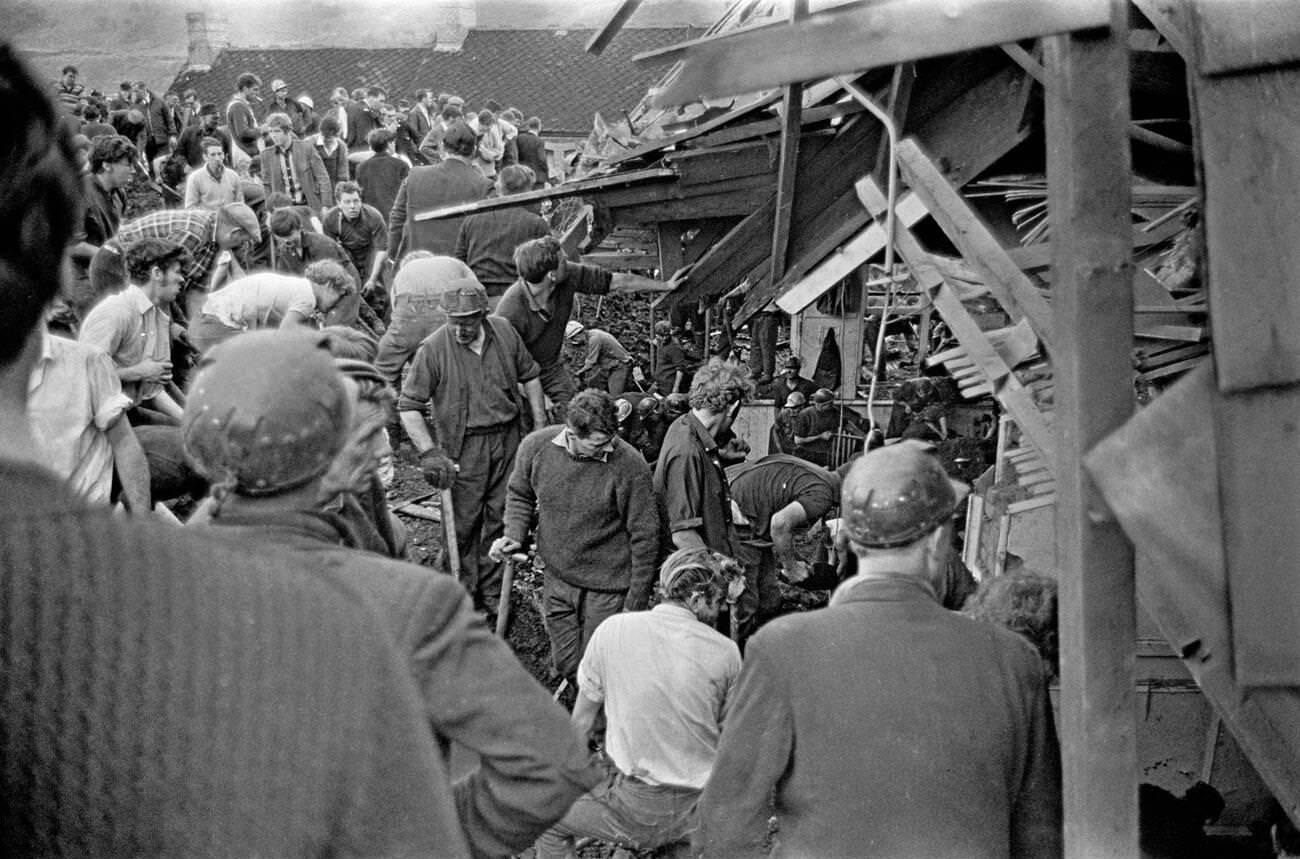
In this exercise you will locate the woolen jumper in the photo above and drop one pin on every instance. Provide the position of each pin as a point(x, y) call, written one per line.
point(165, 695)
point(487, 243)
point(599, 526)
point(542, 327)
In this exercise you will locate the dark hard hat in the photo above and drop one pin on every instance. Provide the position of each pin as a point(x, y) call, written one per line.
point(896, 495)
point(268, 410)
point(465, 298)
point(678, 404)
point(647, 406)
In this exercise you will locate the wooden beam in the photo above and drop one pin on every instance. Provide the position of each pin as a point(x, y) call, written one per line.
point(785, 178)
point(1088, 172)
point(576, 234)
point(568, 189)
point(1245, 35)
point(598, 42)
point(1013, 290)
point(1004, 385)
point(850, 39)
point(975, 130)
point(1170, 18)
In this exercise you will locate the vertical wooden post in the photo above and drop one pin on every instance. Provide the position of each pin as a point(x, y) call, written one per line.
point(1089, 198)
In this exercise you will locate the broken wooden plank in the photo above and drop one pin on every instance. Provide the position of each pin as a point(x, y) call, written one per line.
point(602, 37)
point(1246, 128)
point(861, 36)
point(1169, 17)
point(981, 249)
point(785, 187)
point(1004, 384)
point(568, 189)
point(1089, 178)
point(1159, 476)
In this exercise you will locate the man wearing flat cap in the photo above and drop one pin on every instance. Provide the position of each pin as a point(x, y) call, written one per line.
point(885, 725)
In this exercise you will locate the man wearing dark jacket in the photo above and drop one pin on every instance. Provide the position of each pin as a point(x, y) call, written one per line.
point(597, 528)
point(886, 725)
point(452, 180)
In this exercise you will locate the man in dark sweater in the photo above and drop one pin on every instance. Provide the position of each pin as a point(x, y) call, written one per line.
point(205, 701)
point(487, 240)
point(597, 528)
point(382, 173)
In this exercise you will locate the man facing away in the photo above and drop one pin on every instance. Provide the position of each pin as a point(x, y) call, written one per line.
point(885, 725)
point(249, 707)
point(451, 180)
point(285, 446)
point(597, 528)
point(487, 240)
point(663, 677)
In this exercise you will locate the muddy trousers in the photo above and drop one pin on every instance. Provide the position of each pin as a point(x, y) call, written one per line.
point(479, 498)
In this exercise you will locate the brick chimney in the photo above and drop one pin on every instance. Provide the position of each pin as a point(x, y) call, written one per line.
point(453, 21)
point(208, 35)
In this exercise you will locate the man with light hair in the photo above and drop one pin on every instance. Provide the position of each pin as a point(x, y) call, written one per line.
point(663, 678)
point(292, 166)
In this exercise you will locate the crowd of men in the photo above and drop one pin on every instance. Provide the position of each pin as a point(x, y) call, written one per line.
point(274, 678)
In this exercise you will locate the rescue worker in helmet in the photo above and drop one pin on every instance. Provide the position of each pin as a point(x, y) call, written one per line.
point(884, 719)
point(467, 375)
point(271, 444)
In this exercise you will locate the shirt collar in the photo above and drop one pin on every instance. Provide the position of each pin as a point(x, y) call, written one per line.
point(562, 440)
point(140, 302)
point(701, 432)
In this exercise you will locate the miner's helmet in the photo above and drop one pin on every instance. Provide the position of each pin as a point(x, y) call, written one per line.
point(896, 495)
point(268, 412)
point(573, 329)
point(465, 297)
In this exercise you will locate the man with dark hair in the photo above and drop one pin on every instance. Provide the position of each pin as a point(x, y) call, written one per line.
point(240, 116)
point(364, 114)
point(297, 249)
point(689, 477)
point(93, 120)
point(291, 166)
point(112, 164)
point(675, 361)
point(663, 678)
point(190, 143)
point(418, 122)
point(332, 150)
point(487, 240)
point(134, 328)
point(771, 500)
point(214, 184)
point(885, 720)
point(382, 173)
point(67, 89)
point(540, 303)
point(532, 152)
point(597, 523)
point(467, 375)
point(818, 427)
point(361, 230)
point(241, 639)
point(452, 180)
point(431, 143)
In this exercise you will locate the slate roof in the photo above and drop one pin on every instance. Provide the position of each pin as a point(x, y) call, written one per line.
point(545, 73)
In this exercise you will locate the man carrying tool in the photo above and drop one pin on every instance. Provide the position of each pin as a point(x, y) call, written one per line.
point(770, 500)
point(467, 374)
point(597, 528)
point(663, 677)
point(280, 446)
point(885, 725)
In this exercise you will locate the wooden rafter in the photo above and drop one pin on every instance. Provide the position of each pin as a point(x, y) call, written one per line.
point(605, 35)
point(852, 38)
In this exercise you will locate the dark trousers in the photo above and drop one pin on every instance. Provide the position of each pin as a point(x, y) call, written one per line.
point(761, 599)
point(570, 615)
point(479, 498)
point(763, 331)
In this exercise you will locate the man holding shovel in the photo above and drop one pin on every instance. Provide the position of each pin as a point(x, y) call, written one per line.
point(468, 374)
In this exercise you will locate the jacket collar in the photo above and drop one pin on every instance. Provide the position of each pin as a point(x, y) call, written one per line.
point(895, 588)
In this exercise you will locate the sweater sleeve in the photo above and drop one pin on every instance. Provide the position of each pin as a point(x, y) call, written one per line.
point(520, 495)
point(531, 764)
point(397, 220)
point(641, 518)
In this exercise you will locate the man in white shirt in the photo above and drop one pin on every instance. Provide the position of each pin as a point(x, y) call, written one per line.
point(663, 677)
point(77, 413)
point(134, 328)
point(269, 300)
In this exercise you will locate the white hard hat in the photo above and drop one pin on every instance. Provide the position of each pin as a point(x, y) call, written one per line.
point(573, 329)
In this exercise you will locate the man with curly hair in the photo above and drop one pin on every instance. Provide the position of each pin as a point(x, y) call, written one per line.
point(689, 478)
